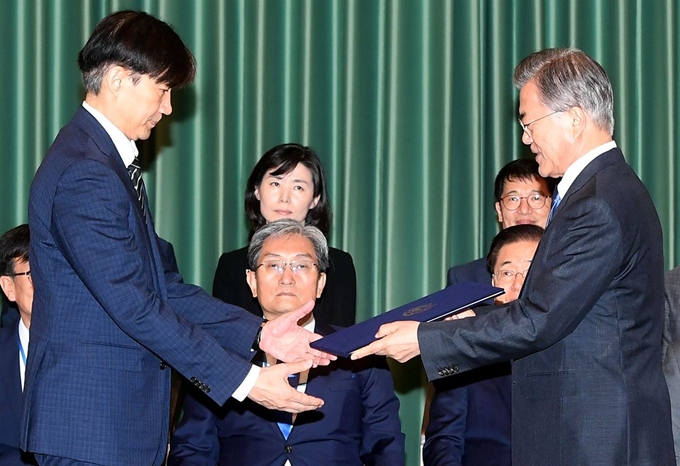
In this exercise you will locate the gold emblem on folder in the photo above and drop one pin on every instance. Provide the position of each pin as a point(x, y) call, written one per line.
point(418, 309)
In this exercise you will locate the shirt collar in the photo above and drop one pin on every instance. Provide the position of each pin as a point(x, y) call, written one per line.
point(23, 334)
point(577, 167)
point(309, 326)
point(125, 147)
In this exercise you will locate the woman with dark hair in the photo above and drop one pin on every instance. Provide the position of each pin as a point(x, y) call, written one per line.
point(288, 182)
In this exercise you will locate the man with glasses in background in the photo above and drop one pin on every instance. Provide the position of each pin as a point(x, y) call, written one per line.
point(522, 198)
point(359, 422)
point(16, 284)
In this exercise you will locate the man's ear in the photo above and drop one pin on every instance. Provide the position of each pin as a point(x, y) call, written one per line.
point(320, 284)
point(499, 212)
point(251, 278)
point(114, 78)
point(578, 121)
point(315, 202)
point(7, 285)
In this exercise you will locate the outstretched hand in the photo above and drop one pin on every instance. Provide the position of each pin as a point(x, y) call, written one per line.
point(284, 339)
point(398, 340)
point(273, 391)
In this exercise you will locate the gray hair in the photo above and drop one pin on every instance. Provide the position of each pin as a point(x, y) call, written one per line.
point(288, 227)
point(567, 77)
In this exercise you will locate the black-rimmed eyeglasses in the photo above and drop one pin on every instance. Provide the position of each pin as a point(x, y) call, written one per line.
point(18, 274)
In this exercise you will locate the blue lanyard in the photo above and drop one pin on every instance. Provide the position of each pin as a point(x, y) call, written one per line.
point(21, 350)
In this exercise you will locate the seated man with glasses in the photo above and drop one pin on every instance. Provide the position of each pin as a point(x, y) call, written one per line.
point(16, 283)
point(470, 413)
point(359, 421)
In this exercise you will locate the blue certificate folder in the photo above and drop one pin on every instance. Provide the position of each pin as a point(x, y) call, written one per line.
point(450, 300)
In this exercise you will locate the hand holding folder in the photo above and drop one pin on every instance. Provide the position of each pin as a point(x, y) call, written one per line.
point(397, 329)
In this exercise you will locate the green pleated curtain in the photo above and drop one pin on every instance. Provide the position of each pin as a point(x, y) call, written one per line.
point(409, 104)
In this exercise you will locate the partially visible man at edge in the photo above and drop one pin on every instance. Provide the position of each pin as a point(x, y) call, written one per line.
point(109, 318)
point(17, 285)
point(584, 337)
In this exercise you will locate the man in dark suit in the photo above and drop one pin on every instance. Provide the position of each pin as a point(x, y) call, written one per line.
point(109, 317)
point(471, 412)
point(522, 198)
point(585, 335)
point(359, 422)
point(16, 284)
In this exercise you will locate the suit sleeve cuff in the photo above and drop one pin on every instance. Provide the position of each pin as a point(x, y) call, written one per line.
point(247, 385)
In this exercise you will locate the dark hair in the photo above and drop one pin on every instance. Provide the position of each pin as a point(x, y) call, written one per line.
point(519, 170)
point(567, 77)
point(514, 234)
point(280, 160)
point(287, 227)
point(140, 43)
point(13, 245)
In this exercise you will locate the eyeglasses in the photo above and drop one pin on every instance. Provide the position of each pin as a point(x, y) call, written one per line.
point(297, 267)
point(18, 274)
point(508, 276)
point(535, 201)
point(525, 127)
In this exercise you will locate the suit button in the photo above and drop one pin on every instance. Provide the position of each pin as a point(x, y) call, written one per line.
point(288, 449)
point(193, 380)
point(207, 389)
point(163, 365)
point(454, 370)
point(441, 372)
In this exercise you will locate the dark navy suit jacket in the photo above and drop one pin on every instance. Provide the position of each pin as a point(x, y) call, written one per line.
point(358, 424)
point(584, 337)
point(475, 271)
point(109, 318)
point(10, 399)
point(470, 413)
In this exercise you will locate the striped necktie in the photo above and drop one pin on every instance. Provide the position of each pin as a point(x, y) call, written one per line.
point(135, 171)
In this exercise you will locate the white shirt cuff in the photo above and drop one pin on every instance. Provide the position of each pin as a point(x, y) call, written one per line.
point(247, 385)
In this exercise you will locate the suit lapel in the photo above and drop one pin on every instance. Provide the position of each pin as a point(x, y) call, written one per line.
point(102, 140)
point(606, 159)
point(611, 157)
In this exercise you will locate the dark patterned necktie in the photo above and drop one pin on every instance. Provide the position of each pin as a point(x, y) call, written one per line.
point(135, 171)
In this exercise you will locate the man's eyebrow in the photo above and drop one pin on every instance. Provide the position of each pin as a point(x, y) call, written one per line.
point(274, 254)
